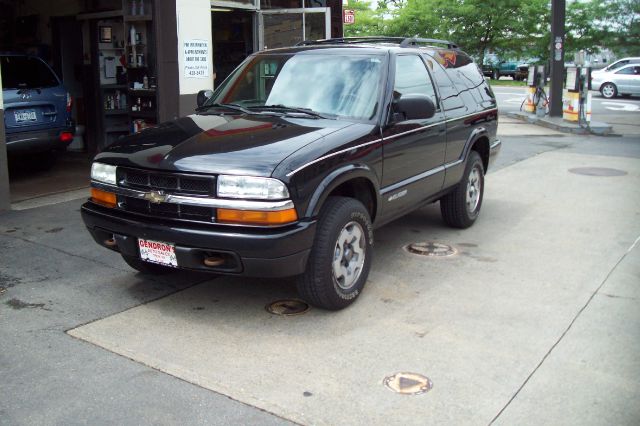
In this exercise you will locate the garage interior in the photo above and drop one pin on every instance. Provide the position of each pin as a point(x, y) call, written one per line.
point(104, 53)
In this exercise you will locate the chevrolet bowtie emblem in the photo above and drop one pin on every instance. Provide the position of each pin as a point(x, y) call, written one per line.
point(155, 197)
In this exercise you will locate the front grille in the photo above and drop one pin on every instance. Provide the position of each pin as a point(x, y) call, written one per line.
point(172, 183)
point(175, 183)
point(166, 210)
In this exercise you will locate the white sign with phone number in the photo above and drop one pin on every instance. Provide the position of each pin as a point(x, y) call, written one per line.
point(196, 58)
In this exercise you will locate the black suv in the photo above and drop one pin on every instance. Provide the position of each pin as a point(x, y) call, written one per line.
point(287, 168)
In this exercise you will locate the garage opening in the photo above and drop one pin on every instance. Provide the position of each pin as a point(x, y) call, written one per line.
point(233, 39)
point(77, 75)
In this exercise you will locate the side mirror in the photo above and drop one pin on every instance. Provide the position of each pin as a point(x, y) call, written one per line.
point(203, 96)
point(414, 107)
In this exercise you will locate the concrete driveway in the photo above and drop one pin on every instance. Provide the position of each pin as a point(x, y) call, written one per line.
point(534, 320)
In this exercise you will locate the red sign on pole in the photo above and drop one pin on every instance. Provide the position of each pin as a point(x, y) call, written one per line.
point(349, 16)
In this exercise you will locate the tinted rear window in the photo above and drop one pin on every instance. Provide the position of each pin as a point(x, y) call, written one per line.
point(26, 72)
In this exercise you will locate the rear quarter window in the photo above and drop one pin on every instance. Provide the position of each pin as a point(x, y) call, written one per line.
point(449, 93)
point(26, 72)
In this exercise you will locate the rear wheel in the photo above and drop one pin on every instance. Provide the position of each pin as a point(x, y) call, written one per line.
point(146, 267)
point(461, 207)
point(609, 90)
point(340, 259)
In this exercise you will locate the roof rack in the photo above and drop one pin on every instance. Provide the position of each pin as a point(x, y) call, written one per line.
point(402, 41)
point(414, 41)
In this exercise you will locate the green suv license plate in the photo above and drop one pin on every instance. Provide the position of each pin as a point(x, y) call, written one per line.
point(22, 116)
point(158, 252)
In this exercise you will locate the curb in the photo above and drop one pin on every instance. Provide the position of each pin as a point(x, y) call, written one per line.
point(595, 127)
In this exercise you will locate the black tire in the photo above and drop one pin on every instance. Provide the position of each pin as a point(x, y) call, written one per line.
point(609, 90)
point(496, 75)
point(147, 267)
point(340, 219)
point(457, 211)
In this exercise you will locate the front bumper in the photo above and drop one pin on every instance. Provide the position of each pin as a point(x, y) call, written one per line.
point(37, 141)
point(256, 252)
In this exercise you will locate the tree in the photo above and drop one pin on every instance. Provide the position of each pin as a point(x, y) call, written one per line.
point(509, 28)
point(478, 26)
point(368, 21)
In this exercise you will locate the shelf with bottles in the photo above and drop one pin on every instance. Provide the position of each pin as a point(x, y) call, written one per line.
point(140, 124)
point(143, 105)
point(114, 100)
point(138, 10)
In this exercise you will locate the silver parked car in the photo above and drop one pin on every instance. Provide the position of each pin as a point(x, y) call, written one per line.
point(617, 64)
point(620, 81)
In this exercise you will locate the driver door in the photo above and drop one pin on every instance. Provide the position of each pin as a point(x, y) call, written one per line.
point(414, 150)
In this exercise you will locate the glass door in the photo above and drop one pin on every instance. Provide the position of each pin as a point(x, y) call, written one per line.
point(287, 27)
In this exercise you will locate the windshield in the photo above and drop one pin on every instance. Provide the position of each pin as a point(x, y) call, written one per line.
point(26, 72)
point(332, 85)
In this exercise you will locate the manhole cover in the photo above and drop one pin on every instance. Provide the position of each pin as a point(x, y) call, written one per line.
point(597, 171)
point(408, 383)
point(430, 249)
point(287, 307)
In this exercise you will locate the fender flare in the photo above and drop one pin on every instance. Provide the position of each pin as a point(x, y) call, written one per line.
point(337, 178)
point(476, 134)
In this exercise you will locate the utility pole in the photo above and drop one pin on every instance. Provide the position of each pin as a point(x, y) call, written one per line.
point(557, 56)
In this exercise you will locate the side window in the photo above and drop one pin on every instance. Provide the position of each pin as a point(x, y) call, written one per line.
point(448, 93)
point(412, 77)
point(626, 71)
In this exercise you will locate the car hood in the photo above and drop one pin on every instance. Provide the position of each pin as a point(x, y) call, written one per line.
point(250, 145)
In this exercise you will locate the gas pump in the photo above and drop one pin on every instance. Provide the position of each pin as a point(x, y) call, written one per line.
point(577, 99)
point(536, 100)
point(528, 104)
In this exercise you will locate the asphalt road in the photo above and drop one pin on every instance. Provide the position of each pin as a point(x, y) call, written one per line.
point(510, 99)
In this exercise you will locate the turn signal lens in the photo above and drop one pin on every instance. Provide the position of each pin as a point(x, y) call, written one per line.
point(251, 217)
point(107, 199)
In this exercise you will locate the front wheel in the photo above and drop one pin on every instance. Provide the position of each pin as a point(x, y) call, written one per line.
point(609, 90)
point(496, 75)
point(340, 259)
point(461, 207)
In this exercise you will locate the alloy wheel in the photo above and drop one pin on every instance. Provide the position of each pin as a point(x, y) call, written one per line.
point(349, 255)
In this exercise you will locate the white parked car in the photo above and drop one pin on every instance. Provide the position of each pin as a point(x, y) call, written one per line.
point(617, 64)
point(620, 81)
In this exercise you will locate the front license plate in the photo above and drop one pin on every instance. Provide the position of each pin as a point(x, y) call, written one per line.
point(23, 116)
point(157, 252)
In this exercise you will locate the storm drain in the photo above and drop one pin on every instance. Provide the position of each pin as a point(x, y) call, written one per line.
point(287, 307)
point(430, 249)
point(597, 171)
point(408, 383)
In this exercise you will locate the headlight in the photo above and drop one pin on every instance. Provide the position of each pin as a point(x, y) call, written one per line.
point(103, 173)
point(251, 188)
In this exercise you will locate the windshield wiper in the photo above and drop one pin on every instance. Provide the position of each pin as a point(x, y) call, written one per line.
point(285, 108)
point(234, 107)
